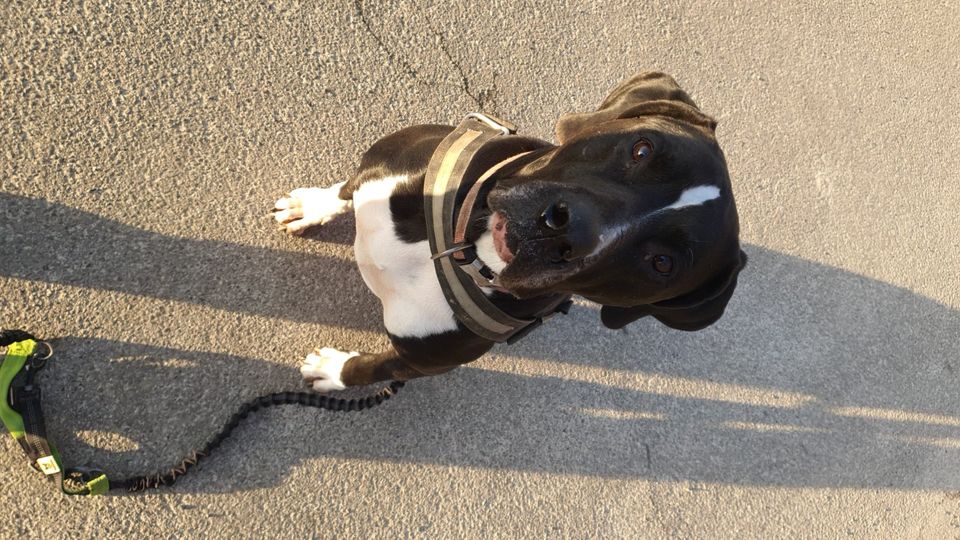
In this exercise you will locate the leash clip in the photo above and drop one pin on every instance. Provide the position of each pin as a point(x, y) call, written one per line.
point(36, 361)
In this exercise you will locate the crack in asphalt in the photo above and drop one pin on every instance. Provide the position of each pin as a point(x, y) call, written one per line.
point(464, 80)
point(482, 98)
point(358, 4)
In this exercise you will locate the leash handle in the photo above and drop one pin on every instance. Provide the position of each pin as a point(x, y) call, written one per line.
point(21, 413)
point(8, 337)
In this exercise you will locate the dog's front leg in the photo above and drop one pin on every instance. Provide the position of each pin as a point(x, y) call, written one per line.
point(329, 369)
point(308, 207)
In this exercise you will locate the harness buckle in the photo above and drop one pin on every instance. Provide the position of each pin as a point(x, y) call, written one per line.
point(505, 128)
point(562, 307)
point(482, 269)
point(482, 274)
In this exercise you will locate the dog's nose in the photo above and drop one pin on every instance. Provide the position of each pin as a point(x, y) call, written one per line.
point(571, 231)
point(569, 248)
point(573, 247)
point(556, 216)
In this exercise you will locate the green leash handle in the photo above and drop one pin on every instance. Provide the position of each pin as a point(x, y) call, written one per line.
point(22, 415)
point(23, 418)
point(13, 362)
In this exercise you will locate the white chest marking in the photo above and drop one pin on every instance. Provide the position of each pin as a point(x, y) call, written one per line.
point(402, 275)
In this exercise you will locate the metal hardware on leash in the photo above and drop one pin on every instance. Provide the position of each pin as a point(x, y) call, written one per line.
point(21, 412)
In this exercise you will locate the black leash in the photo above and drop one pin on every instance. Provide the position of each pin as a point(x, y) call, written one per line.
point(306, 399)
point(23, 416)
point(461, 274)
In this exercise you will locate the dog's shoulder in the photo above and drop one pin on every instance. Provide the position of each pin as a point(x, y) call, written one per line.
point(406, 152)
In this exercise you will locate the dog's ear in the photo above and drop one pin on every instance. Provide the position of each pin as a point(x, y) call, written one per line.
point(644, 94)
point(690, 312)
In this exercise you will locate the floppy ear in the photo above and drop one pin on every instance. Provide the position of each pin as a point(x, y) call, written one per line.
point(690, 312)
point(644, 94)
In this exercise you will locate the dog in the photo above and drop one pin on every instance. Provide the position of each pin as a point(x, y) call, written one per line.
point(633, 209)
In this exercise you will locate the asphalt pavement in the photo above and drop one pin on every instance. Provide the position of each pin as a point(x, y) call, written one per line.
point(142, 144)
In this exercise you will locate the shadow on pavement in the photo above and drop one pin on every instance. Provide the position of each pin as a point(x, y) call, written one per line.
point(58, 244)
point(816, 377)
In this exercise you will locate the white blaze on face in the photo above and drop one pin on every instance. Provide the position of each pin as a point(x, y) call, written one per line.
point(694, 196)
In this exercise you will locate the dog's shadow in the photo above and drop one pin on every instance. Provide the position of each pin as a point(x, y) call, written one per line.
point(815, 377)
point(58, 244)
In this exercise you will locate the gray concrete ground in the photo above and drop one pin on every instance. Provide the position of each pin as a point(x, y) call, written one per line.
point(143, 143)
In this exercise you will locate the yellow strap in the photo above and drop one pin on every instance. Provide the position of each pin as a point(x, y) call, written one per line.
point(16, 356)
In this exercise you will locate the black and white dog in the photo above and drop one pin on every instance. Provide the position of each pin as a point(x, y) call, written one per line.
point(632, 210)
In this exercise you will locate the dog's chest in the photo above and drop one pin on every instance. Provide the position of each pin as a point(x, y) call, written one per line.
point(401, 274)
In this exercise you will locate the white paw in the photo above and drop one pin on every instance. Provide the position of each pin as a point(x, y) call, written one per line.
point(321, 369)
point(306, 207)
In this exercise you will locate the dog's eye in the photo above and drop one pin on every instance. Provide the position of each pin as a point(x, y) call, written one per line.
point(642, 150)
point(663, 264)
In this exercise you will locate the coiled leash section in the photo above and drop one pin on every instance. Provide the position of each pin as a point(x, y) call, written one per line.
point(22, 415)
point(306, 399)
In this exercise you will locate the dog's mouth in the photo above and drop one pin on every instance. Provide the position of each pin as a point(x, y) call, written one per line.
point(498, 227)
point(521, 266)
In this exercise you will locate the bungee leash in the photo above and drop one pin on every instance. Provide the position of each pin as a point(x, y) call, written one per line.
point(22, 414)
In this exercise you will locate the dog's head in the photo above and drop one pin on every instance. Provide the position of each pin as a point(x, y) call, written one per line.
point(633, 210)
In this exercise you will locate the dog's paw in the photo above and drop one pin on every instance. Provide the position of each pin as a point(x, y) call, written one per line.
point(321, 369)
point(307, 207)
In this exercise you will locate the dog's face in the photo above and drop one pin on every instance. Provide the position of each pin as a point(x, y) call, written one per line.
point(633, 210)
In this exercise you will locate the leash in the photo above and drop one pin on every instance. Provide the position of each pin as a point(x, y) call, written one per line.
point(461, 273)
point(22, 415)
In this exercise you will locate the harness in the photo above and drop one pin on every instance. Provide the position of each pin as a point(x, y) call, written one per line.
point(462, 275)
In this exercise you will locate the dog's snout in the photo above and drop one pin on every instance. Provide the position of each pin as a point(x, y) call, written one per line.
point(564, 253)
point(556, 216)
point(571, 231)
point(577, 244)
